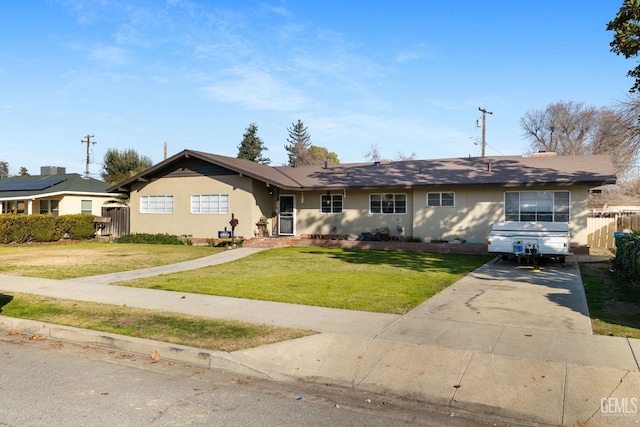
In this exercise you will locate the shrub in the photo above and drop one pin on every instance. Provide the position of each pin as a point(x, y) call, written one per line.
point(154, 239)
point(627, 260)
point(77, 227)
point(44, 227)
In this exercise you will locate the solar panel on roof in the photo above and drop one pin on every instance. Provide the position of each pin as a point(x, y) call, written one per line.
point(29, 185)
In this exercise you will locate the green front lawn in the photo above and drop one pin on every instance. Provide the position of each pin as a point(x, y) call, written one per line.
point(614, 305)
point(379, 281)
point(194, 331)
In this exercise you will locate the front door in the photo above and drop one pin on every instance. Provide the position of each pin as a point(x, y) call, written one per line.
point(287, 216)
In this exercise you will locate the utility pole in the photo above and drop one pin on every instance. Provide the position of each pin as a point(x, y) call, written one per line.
point(484, 126)
point(87, 141)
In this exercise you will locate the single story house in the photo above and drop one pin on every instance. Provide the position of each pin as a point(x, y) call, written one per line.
point(53, 192)
point(196, 194)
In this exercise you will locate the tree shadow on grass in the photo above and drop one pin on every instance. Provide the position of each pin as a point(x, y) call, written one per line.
point(4, 300)
point(415, 261)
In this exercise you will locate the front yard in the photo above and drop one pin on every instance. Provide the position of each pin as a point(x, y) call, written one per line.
point(380, 281)
point(71, 260)
point(614, 305)
point(368, 280)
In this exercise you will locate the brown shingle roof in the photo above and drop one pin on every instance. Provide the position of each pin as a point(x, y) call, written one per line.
point(502, 170)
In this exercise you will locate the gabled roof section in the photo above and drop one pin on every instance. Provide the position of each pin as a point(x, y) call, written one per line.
point(501, 170)
point(35, 185)
point(258, 171)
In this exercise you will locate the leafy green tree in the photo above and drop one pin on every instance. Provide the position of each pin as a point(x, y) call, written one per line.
point(319, 155)
point(23, 171)
point(120, 165)
point(251, 146)
point(4, 169)
point(626, 40)
point(299, 143)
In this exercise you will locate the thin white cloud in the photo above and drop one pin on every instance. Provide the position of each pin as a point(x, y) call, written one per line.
point(257, 89)
point(404, 134)
point(109, 55)
point(282, 11)
point(407, 56)
point(413, 53)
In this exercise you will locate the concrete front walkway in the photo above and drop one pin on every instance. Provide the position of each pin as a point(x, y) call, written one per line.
point(502, 341)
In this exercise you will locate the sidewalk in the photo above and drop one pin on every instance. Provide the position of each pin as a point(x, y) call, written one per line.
point(502, 341)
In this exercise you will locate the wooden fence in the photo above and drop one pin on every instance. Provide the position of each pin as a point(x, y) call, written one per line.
point(600, 230)
point(628, 222)
point(118, 221)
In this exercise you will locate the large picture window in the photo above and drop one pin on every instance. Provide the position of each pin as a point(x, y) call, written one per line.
point(210, 203)
point(390, 203)
point(156, 204)
point(331, 203)
point(441, 199)
point(536, 206)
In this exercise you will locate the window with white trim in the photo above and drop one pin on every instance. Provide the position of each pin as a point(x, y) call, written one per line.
point(156, 204)
point(210, 203)
point(389, 203)
point(331, 203)
point(86, 207)
point(49, 207)
point(441, 199)
point(537, 206)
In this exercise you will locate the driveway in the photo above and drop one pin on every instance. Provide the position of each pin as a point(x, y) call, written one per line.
point(495, 301)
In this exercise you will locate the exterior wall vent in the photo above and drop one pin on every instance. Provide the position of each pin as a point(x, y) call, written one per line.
point(544, 154)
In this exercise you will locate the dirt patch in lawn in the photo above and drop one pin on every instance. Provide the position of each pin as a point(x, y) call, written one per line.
point(86, 259)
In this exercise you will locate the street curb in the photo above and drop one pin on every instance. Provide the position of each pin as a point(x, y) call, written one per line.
point(209, 359)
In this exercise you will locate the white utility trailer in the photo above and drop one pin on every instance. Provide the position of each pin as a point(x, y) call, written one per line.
point(530, 241)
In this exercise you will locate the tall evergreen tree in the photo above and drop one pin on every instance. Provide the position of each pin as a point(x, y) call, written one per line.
point(251, 147)
point(4, 169)
point(299, 143)
point(120, 165)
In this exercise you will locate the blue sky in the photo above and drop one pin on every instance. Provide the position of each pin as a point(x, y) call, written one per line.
point(405, 76)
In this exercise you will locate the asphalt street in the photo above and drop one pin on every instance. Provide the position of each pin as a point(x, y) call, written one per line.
point(46, 383)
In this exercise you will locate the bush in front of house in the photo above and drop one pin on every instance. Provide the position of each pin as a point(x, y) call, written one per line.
point(155, 239)
point(627, 260)
point(77, 227)
point(45, 228)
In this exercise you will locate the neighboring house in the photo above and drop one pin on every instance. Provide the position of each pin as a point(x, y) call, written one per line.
point(53, 192)
point(195, 193)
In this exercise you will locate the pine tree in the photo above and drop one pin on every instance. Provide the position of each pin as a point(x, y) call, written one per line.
point(251, 147)
point(299, 143)
point(120, 165)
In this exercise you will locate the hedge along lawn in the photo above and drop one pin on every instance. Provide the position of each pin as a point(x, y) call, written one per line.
point(380, 281)
point(194, 331)
point(78, 259)
point(614, 304)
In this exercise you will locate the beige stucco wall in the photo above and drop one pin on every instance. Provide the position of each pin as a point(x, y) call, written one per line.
point(476, 208)
point(72, 204)
point(355, 217)
point(242, 203)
